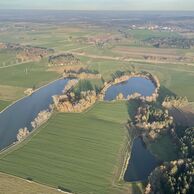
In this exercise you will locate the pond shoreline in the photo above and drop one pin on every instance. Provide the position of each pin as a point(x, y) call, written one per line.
point(25, 105)
point(14, 102)
point(129, 143)
point(125, 78)
point(14, 144)
point(154, 163)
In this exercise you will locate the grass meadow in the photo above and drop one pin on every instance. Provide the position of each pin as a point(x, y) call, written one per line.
point(74, 148)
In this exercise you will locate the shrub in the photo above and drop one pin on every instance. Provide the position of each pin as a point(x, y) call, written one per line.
point(29, 178)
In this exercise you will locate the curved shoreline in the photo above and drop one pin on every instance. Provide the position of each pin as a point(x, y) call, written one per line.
point(14, 102)
point(127, 156)
point(14, 144)
point(124, 78)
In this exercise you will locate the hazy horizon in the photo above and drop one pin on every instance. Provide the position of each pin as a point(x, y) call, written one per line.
point(93, 5)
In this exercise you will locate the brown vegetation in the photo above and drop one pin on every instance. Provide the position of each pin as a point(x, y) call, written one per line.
point(27, 52)
point(177, 102)
point(152, 121)
point(41, 118)
point(82, 73)
point(65, 59)
point(67, 103)
point(22, 134)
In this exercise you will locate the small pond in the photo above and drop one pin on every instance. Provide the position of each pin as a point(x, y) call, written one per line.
point(141, 85)
point(20, 114)
point(142, 162)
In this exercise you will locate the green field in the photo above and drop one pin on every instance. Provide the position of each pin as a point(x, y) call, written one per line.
point(146, 34)
point(4, 104)
point(7, 58)
point(74, 148)
point(27, 75)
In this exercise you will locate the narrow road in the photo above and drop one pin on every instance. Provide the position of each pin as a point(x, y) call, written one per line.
point(17, 64)
point(152, 63)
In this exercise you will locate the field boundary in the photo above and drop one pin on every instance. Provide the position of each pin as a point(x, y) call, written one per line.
point(14, 102)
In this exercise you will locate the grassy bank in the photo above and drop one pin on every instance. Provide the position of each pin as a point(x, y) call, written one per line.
point(4, 104)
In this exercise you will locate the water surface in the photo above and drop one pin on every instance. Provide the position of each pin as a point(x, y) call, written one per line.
point(142, 162)
point(20, 114)
point(141, 85)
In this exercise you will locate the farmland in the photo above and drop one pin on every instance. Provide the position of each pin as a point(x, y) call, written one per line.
point(15, 185)
point(98, 135)
point(84, 152)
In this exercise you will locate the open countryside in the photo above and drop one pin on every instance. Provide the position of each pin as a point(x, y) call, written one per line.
point(93, 102)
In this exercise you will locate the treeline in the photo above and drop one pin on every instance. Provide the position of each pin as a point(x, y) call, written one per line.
point(119, 73)
point(27, 52)
point(79, 98)
point(63, 59)
point(176, 177)
point(152, 121)
point(177, 102)
point(81, 70)
point(171, 42)
point(187, 144)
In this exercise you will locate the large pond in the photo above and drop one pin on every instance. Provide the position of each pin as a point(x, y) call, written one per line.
point(20, 114)
point(141, 162)
point(141, 85)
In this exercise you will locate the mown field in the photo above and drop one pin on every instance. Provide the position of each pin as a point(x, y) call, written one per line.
point(14, 185)
point(80, 152)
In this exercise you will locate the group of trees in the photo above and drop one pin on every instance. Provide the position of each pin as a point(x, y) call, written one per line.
point(82, 87)
point(172, 101)
point(79, 98)
point(63, 59)
point(81, 70)
point(176, 177)
point(152, 120)
point(187, 144)
point(171, 42)
point(118, 74)
point(26, 52)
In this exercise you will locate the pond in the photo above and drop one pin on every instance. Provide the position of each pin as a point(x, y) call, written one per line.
point(20, 114)
point(141, 85)
point(142, 162)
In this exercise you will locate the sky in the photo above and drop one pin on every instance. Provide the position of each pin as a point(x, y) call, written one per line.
point(99, 4)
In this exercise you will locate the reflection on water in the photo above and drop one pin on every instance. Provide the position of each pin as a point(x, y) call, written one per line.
point(141, 162)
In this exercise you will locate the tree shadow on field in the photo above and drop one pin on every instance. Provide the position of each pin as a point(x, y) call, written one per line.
point(163, 92)
point(136, 188)
point(132, 106)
